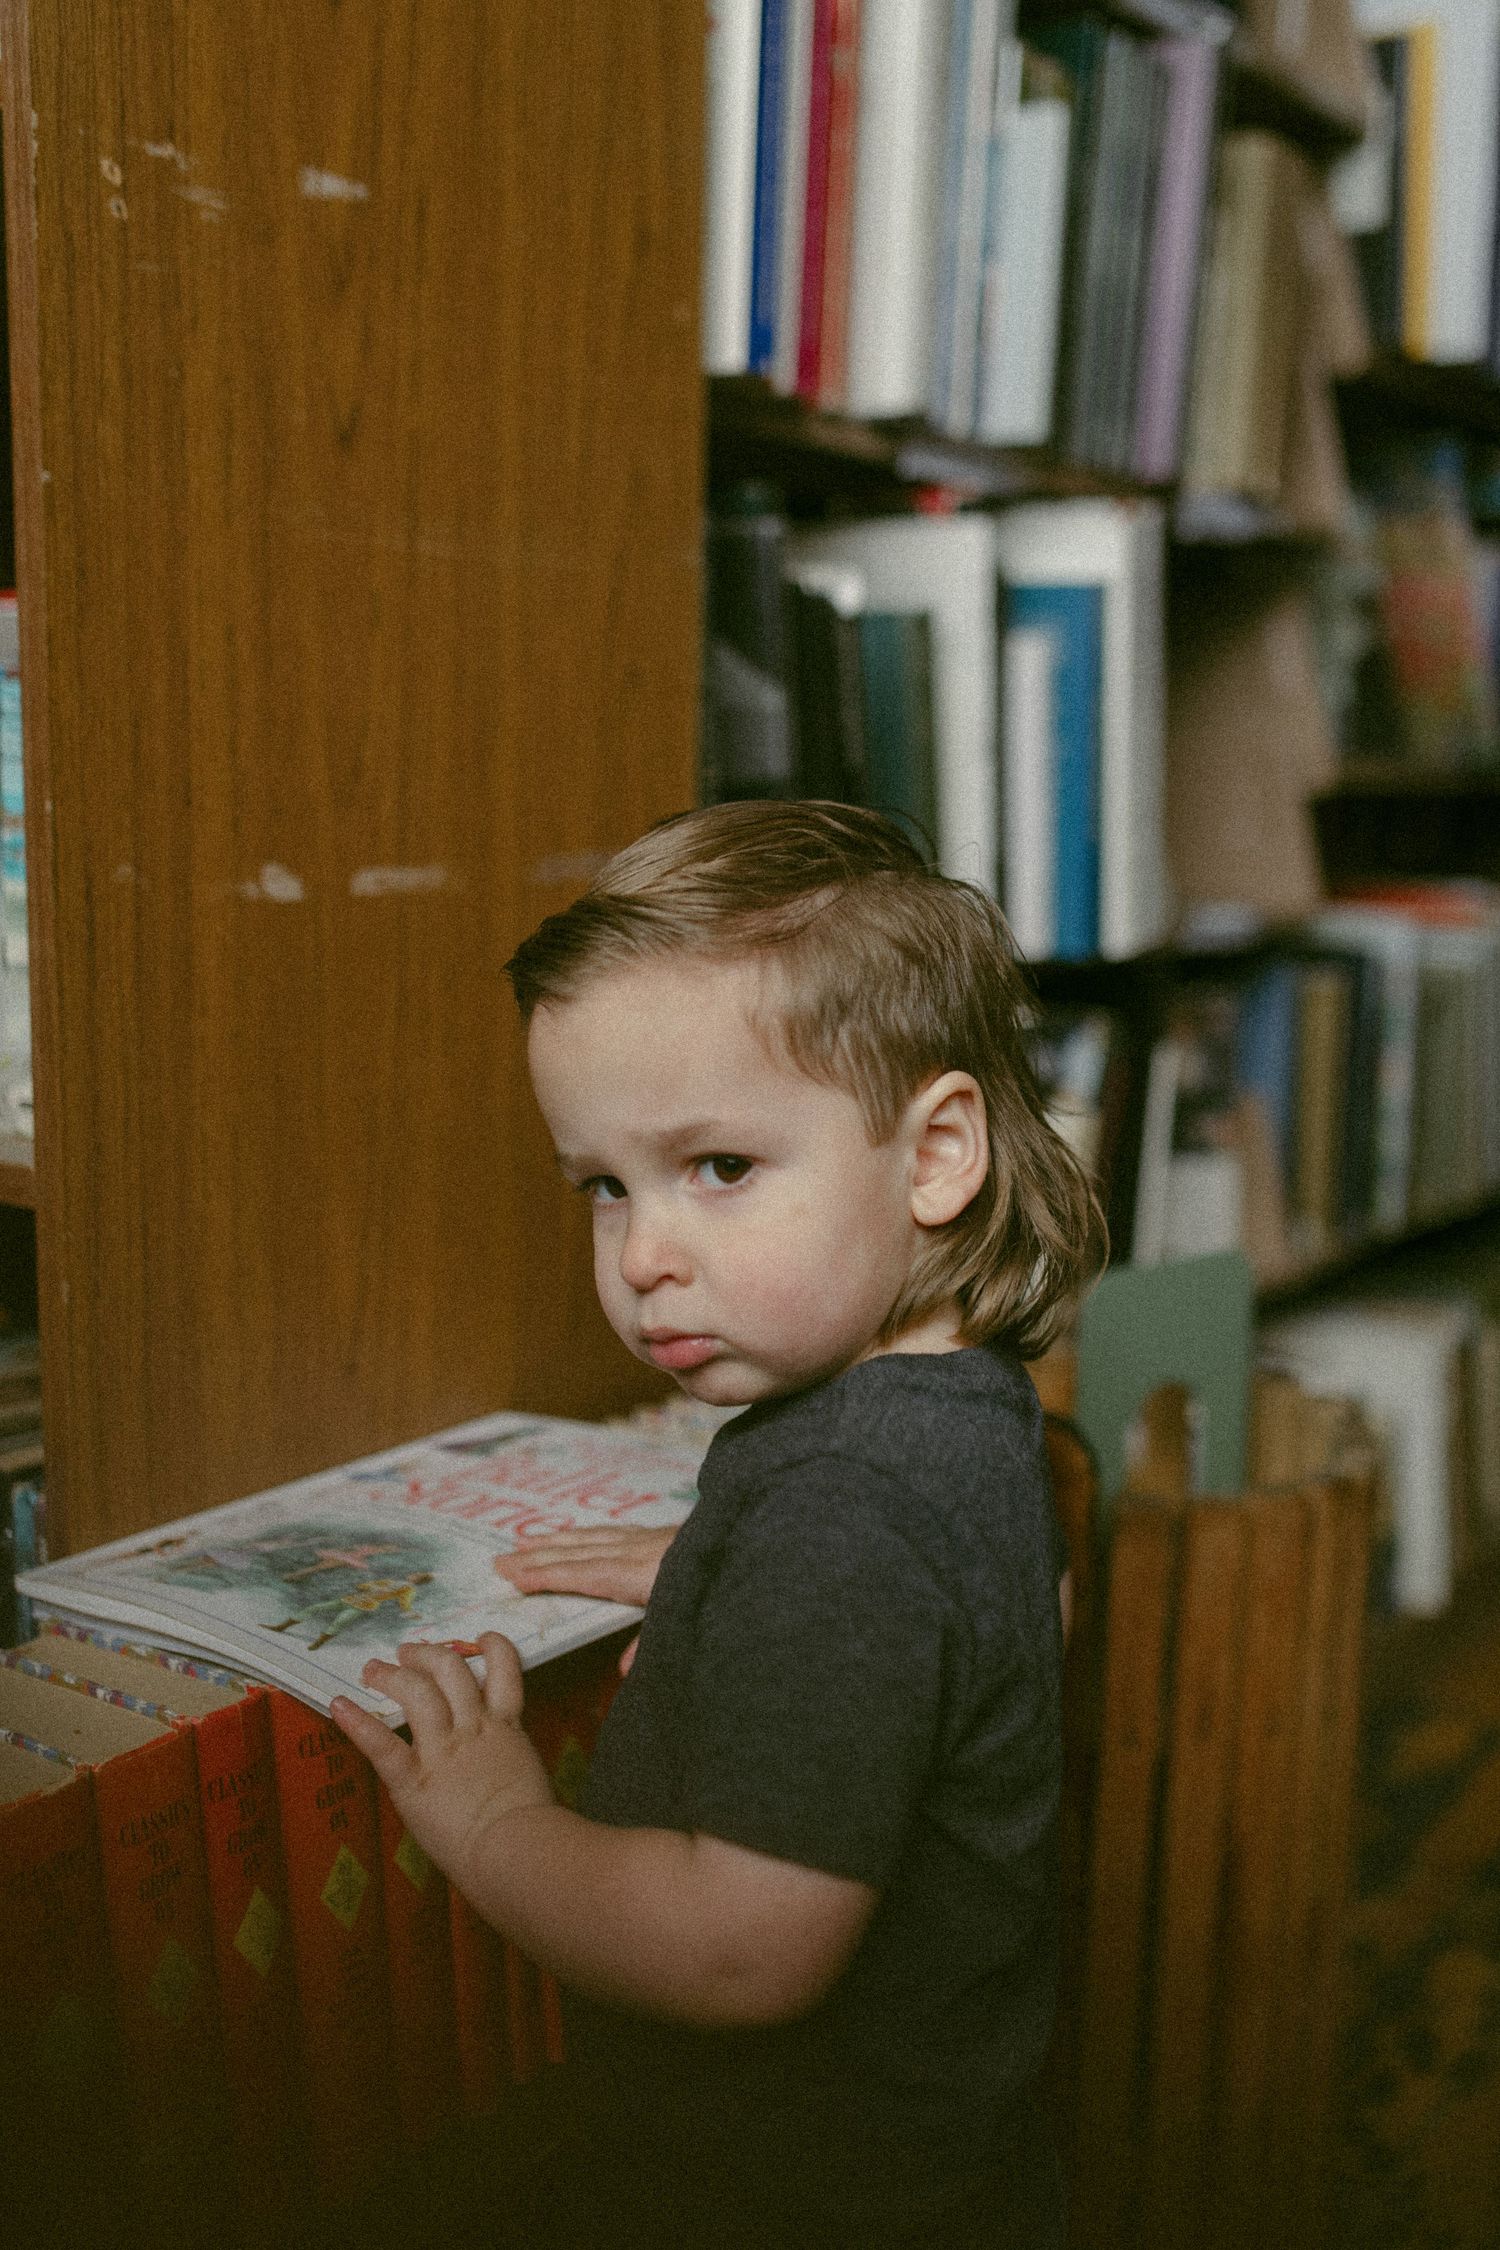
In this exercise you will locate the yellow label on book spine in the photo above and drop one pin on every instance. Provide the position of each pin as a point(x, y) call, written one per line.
point(173, 1984)
point(343, 1893)
point(259, 1933)
point(413, 1862)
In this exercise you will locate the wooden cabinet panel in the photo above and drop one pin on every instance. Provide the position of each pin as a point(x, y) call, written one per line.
point(357, 400)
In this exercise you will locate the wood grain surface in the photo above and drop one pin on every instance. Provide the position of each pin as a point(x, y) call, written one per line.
point(358, 479)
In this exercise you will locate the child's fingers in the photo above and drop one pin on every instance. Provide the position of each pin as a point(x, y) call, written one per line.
point(426, 1708)
point(387, 1753)
point(449, 1674)
point(555, 1547)
point(503, 1685)
point(606, 1577)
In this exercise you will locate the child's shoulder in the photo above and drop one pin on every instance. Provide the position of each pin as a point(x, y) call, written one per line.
point(938, 1430)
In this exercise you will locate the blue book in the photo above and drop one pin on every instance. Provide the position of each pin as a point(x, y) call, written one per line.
point(953, 180)
point(28, 1545)
point(764, 262)
point(1074, 616)
point(1265, 1060)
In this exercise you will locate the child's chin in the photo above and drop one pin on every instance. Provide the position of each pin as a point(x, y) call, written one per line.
point(722, 1383)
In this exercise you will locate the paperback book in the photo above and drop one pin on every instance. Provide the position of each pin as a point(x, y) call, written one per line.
point(302, 1585)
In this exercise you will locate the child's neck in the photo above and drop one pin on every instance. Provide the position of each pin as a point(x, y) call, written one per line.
point(937, 1331)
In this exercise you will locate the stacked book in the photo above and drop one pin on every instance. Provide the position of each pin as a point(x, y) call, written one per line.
point(910, 211)
point(1423, 1367)
point(1330, 1087)
point(210, 1907)
point(1282, 316)
point(1418, 196)
point(996, 680)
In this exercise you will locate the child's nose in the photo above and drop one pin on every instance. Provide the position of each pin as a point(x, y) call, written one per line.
point(652, 1251)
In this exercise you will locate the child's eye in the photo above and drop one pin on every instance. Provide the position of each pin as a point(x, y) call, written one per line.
point(727, 1171)
point(604, 1188)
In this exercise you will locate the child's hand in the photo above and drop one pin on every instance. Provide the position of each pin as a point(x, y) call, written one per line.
point(468, 1765)
point(614, 1563)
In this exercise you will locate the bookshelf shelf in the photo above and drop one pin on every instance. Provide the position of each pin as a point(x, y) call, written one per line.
point(1466, 399)
point(1265, 91)
point(753, 431)
point(1375, 777)
point(1357, 1257)
point(1197, 19)
point(17, 1172)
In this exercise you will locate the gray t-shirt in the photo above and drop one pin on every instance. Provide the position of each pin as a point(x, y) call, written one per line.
point(852, 1660)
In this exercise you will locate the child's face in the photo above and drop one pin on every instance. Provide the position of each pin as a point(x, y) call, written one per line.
point(747, 1236)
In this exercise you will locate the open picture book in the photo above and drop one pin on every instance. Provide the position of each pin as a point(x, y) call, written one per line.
point(300, 1586)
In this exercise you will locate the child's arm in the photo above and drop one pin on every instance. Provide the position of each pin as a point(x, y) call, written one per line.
point(675, 1925)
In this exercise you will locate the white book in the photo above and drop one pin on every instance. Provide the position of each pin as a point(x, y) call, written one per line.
point(1148, 1234)
point(1397, 1359)
point(1205, 1201)
point(792, 209)
point(1028, 750)
point(732, 95)
point(944, 566)
point(301, 1585)
point(1022, 302)
point(1119, 545)
point(903, 50)
point(1465, 142)
point(969, 122)
point(1394, 942)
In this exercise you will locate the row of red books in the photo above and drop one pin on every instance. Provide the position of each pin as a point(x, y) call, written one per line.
point(221, 1954)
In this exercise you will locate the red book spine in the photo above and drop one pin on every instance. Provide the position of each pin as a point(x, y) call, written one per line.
point(156, 1909)
point(817, 202)
point(419, 1950)
point(330, 1833)
point(252, 1939)
point(838, 225)
point(61, 2149)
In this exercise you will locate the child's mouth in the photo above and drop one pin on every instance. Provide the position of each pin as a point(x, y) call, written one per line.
point(678, 1352)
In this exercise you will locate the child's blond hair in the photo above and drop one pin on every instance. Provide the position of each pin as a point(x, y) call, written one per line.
point(887, 974)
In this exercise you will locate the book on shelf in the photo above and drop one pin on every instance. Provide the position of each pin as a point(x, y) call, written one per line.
point(60, 2071)
point(158, 1921)
point(1403, 1361)
point(942, 567)
point(301, 1585)
point(732, 84)
point(229, 1726)
point(1429, 176)
point(1250, 742)
point(1025, 236)
point(1109, 762)
point(931, 203)
point(902, 78)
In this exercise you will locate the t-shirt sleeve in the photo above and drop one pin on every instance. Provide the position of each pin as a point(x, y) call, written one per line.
point(817, 1685)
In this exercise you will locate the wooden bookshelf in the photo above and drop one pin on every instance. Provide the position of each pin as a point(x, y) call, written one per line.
point(358, 445)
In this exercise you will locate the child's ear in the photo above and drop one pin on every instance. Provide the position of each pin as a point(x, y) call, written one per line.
point(952, 1148)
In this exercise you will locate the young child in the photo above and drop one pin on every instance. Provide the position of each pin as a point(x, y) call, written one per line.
point(806, 1913)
